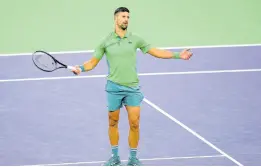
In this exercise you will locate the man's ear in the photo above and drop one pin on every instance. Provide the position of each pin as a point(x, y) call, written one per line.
point(115, 16)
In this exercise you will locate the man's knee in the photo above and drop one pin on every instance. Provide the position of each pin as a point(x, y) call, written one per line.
point(134, 122)
point(134, 116)
point(114, 118)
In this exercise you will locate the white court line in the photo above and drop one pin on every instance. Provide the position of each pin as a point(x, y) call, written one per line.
point(191, 131)
point(147, 159)
point(179, 47)
point(140, 74)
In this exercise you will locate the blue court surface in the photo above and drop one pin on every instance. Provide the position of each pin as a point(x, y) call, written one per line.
point(205, 111)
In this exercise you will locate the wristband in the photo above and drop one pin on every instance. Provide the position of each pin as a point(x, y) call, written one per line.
point(176, 55)
point(82, 68)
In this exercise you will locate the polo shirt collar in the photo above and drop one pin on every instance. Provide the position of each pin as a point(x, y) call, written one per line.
point(127, 34)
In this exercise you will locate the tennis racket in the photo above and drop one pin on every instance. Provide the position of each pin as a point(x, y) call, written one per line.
point(46, 62)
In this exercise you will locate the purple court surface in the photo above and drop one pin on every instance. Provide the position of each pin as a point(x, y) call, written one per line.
point(205, 111)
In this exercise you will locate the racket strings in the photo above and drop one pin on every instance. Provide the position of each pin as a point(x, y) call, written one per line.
point(44, 61)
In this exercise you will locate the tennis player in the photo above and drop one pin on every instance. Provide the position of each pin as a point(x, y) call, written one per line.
point(122, 85)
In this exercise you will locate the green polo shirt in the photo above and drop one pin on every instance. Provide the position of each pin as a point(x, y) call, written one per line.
point(121, 56)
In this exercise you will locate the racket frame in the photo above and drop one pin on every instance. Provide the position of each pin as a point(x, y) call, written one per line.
point(55, 60)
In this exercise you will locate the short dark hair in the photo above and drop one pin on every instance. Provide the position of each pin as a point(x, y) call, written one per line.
point(121, 9)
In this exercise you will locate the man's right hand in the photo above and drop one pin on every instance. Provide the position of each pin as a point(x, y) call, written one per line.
point(77, 70)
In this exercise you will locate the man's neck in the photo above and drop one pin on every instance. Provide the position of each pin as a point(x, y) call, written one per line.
point(120, 32)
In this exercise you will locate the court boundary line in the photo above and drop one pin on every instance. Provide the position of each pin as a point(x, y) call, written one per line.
point(157, 108)
point(142, 159)
point(140, 74)
point(178, 47)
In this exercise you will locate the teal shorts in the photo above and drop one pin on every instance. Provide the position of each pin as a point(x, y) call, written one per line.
point(118, 95)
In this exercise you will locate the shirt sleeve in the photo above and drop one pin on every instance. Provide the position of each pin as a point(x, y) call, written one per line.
point(143, 45)
point(99, 51)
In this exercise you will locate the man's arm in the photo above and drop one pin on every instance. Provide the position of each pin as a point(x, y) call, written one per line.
point(91, 64)
point(87, 66)
point(165, 54)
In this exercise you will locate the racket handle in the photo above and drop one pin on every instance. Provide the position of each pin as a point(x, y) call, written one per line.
point(71, 67)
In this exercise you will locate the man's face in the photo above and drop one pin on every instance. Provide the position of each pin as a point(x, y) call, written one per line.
point(122, 20)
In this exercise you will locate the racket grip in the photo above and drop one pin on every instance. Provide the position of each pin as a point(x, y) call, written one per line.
point(71, 67)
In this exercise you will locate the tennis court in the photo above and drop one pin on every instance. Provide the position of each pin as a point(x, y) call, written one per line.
point(200, 112)
point(204, 111)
